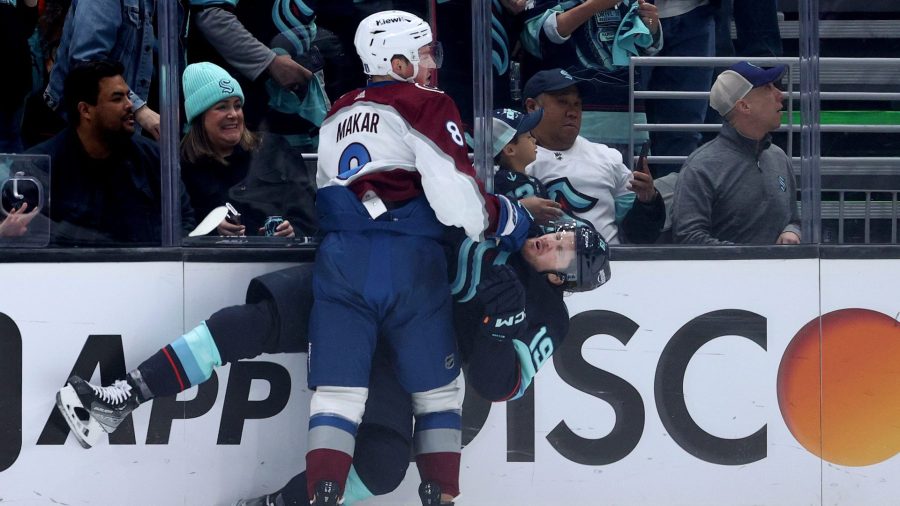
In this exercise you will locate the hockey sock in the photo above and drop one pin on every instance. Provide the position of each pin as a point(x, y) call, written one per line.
point(438, 445)
point(437, 438)
point(188, 361)
point(326, 464)
point(335, 414)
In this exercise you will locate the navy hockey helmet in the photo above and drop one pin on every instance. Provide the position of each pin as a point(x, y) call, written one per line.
point(590, 266)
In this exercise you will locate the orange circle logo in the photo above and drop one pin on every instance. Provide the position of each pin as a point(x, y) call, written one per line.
point(839, 389)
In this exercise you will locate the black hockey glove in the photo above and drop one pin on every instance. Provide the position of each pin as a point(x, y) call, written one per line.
point(504, 304)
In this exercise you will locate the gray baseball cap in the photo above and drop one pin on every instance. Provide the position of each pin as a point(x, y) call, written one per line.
point(734, 84)
point(508, 123)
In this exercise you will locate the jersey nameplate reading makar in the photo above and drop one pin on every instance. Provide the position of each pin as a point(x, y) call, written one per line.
point(359, 122)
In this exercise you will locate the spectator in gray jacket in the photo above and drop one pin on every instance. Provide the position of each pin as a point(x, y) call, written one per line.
point(739, 188)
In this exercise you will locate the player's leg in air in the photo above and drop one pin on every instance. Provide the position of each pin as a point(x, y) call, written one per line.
point(272, 321)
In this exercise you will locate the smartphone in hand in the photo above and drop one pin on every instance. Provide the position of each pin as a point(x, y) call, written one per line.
point(642, 158)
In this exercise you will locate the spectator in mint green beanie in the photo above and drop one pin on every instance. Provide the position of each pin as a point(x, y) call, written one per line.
point(208, 87)
point(223, 162)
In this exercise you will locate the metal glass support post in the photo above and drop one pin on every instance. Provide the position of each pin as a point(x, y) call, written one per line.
point(168, 24)
point(810, 152)
point(630, 159)
point(482, 91)
point(791, 78)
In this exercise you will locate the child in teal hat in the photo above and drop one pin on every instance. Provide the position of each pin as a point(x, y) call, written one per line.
point(514, 148)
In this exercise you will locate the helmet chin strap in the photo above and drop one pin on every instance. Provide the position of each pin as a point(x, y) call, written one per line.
point(411, 79)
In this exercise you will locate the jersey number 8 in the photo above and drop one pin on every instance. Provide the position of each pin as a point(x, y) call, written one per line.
point(455, 134)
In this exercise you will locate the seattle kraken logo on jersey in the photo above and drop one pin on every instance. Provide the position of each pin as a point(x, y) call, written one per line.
point(500, 40)
point(570, 199)
point(296, 25)
point(473, 259)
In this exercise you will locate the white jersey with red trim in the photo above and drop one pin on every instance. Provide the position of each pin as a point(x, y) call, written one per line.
point(399, 139)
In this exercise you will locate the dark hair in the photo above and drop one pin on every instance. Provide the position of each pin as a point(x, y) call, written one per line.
point(196, 145)
point(500, 160)
point(82, 84)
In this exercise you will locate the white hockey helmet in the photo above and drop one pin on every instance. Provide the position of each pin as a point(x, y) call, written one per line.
point(385, 34)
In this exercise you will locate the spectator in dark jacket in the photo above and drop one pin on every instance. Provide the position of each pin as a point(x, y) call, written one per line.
point(105, 180)
point(223, 162)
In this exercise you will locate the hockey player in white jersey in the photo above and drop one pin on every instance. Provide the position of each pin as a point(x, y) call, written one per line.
point(393, 173)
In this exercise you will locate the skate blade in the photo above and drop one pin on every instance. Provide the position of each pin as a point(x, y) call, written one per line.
point(87, 432)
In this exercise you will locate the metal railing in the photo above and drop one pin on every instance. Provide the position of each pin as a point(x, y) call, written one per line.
point(834, 70)
point(867, 212)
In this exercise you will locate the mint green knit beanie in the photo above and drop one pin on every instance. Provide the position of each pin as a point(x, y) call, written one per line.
point(205, 84)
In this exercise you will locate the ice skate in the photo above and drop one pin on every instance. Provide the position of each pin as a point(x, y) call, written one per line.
point(327, 494)
point(91, 410)
point(267, 500)
point(430, 493)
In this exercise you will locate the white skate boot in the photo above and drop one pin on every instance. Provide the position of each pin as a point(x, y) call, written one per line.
point(92, 411)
